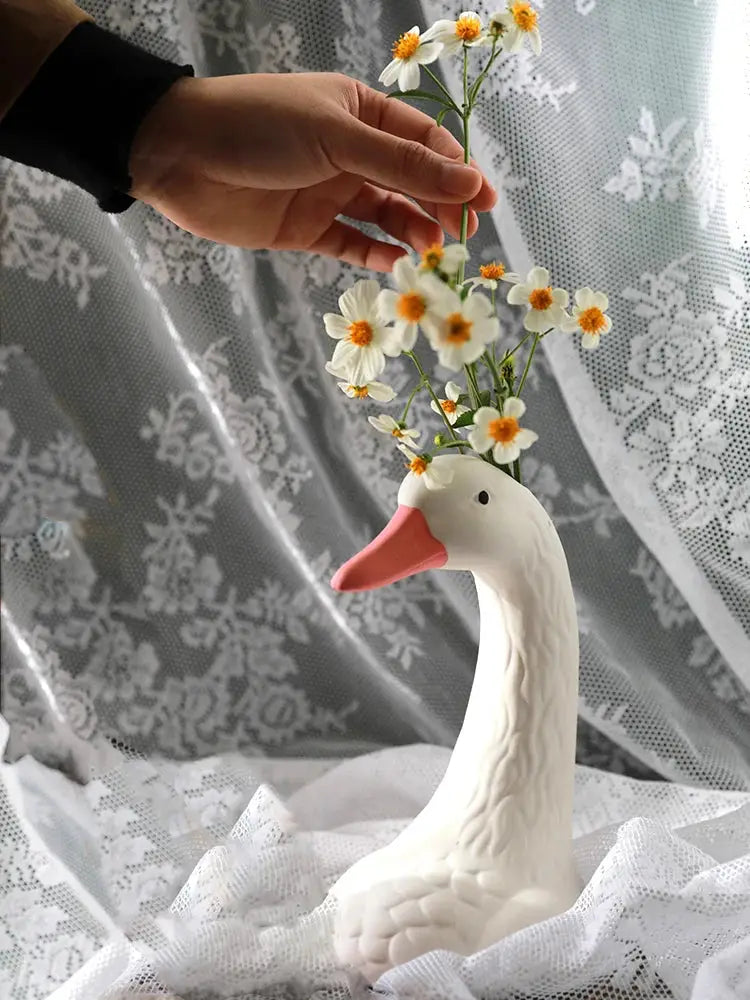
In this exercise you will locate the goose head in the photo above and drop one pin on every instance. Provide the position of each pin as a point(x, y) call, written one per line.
point(483, 521)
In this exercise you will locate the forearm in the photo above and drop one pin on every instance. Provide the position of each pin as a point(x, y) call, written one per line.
point(29, 31)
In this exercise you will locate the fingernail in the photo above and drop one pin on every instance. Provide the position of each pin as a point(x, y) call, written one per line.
point(456, 178)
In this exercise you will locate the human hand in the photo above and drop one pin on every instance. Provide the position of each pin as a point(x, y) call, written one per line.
point(271, 160)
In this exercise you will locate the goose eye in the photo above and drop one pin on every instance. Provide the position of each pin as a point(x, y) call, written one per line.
point(483, 497)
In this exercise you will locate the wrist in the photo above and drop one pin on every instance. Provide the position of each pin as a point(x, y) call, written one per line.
point(166, 138)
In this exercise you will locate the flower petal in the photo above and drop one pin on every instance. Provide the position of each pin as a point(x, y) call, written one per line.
point(358, 302)
point(336, 372)
point(484, 415)
point(535, 40)
point(537, 320)
point(525, 438)
point(590, 340)
point(560, 297)
point(538, 277)
point(336, 326)
point(480, 440)
point(369, 363)
point(600, 300)
point(514, 407)
point(584, 298)
point(386, 304)
point(607, 325)
point(512, 278)
point(408, 78)
point(390, 73)
point(428, 52)
point(569, 325)
point(478, 307)
point(387, 340)
point(504, 454)
point(439, 29)
point(518, 295)
point(405, 274)
point(407, 335)
point(381, 392)
point(452, 390)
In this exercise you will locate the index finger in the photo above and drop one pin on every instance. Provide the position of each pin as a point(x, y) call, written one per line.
point(398, 118)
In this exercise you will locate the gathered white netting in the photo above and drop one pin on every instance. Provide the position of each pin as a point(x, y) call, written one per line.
point(179, 478)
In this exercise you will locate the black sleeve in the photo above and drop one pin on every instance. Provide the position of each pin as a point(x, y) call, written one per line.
point(79, 115)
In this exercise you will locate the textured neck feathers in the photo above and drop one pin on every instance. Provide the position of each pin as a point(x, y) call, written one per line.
point(510, 777)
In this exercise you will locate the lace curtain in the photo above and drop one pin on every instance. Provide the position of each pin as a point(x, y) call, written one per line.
point(180, 477)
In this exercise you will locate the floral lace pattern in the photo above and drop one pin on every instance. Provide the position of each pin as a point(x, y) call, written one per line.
point(170, 526)
point(669, 165)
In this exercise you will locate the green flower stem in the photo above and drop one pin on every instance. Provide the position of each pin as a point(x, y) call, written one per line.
point(517, 469)
point(451, 444)
point(509, 354)
point(528, 364)
point(489, 360)
point(465, 118)
point(471, 384)
point(414, 391)
point(431, 391)
point(481, 78)
point(442, 87)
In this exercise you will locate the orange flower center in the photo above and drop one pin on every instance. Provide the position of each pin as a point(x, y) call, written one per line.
point(410, 306)
point(504, 429)
point(591, 320)
point(405, 45)
point(494, 270)
point(360, 391)
point(541, 298)
point(459, 329)
point(360, 333)
point(468, 27)
point(524, 16)
point(417, 465)
point(397, 432)
point(448, 405)
point(432, 256)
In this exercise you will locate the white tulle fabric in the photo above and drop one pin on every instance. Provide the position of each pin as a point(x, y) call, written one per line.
point(179, 477)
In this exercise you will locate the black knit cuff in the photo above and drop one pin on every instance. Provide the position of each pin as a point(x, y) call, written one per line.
point(79, 115)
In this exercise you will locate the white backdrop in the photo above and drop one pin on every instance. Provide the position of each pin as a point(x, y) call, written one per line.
point(196, 476)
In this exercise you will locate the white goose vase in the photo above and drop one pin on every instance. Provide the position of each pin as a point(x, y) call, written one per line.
point(492, 850)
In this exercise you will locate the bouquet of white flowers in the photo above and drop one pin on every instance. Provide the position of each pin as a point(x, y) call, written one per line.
point(433, 295)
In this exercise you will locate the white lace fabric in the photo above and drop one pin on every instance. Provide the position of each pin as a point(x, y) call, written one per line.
point(179, 477)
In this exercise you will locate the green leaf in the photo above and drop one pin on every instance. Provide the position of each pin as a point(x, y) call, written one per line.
point(465, 420)
point(484, 397)
point(422, 95)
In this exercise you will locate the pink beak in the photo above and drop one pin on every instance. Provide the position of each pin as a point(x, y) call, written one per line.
point(405, 546)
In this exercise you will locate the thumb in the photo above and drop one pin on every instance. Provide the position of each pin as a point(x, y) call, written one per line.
point(402, 164)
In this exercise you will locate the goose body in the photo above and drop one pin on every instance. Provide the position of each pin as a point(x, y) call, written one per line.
point(491, 852)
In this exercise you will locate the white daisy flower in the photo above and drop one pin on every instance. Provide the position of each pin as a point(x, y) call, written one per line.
point(434, 475)
point(490, 274)
point(447, 260)
point(460, 331)
point(514, 25)
point(546, 304)
point(387, 424)
point(588, 317)
point(466, 30)
point(501, 431)
point(363, 337)
point(371, 390)
point(450, 406)
point(409, 53)
point(406, 307)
